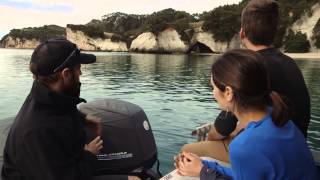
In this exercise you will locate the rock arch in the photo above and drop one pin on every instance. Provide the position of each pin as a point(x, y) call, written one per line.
point(199, 47)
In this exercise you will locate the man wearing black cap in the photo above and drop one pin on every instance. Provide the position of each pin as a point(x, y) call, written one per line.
point(46, 140)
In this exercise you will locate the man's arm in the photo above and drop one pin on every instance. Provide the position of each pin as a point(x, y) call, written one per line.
point(49, 155)
point(213, 135)
point(223, 126)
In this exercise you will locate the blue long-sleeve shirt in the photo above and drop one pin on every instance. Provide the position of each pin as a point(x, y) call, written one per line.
point(264, 151)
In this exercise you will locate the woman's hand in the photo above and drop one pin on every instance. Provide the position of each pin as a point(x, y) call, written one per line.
point(189, 164)
point(94, 123)
point(94, 146)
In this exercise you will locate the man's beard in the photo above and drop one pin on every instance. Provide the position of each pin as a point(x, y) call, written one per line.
point(73, 90)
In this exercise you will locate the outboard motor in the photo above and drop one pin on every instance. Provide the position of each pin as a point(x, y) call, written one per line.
point(129, 147)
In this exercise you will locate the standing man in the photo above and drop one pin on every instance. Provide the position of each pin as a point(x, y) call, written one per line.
point(46, 140)
point(259, 23)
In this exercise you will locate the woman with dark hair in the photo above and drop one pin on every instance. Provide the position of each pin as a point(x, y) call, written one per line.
point(269, 146)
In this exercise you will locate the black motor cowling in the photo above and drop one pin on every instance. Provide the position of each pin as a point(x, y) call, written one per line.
point(128, 142)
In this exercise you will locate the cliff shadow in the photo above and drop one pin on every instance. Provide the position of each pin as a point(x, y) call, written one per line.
point(199, 47)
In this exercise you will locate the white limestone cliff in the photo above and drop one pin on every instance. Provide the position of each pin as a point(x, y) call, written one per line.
point(94, 44)
point(19, 43)
point(170, 41)
point(306, 24)
point(145, 42)
point(207, 39)
point(167, 41)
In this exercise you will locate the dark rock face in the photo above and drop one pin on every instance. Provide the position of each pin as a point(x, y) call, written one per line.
point(199, 47)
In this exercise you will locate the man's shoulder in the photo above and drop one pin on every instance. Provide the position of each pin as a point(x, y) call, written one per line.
point(276, 56)
point(46, 133)
point(41, 122)
point(281, 65)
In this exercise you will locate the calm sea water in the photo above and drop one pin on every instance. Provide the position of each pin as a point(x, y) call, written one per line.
point(172, 89)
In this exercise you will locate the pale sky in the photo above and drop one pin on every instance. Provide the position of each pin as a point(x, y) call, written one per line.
point(32, 13)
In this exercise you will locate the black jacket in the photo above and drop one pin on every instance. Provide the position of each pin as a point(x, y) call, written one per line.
point(46, 140)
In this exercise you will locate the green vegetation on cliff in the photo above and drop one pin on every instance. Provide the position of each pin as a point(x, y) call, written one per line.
point(223, 22)
point(120, 22)
point(126, 27)
point(89, 30)
point(291, 11)
point(39, 33)
point(166, 18)
point(296, 42)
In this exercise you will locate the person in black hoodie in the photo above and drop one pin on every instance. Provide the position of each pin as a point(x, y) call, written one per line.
point(46, 140)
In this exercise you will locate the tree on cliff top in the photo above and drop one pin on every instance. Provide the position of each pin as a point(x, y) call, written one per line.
point(223, 22)
point(161, 20)
point(39, 33)
point(296, 42)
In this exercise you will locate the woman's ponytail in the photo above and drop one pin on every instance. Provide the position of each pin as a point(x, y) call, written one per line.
point(280, 113)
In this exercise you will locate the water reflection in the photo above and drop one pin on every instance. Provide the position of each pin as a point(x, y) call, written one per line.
point(311, 73)
point(172, 89)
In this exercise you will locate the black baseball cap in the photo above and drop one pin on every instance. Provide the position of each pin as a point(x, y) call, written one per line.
point(56, 54)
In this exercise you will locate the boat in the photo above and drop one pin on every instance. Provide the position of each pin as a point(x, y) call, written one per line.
point(130, 148)
point(133, 153)
point(201, 133)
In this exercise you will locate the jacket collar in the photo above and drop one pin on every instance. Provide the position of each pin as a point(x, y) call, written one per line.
point(41, 93)
point(271, 50)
